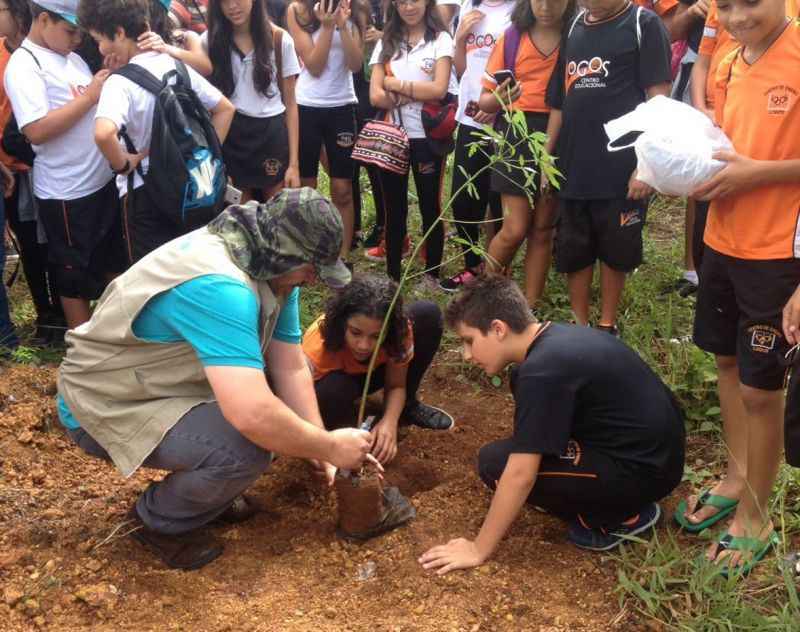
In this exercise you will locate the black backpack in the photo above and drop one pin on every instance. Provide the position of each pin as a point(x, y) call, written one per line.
point(186, 180)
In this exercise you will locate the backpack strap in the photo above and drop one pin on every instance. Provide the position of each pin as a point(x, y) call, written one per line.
point(579, 16)
point(511, 41)
point(30, 52)
point(277, 46)
point(142, 78)
point(639, 26)
point(723, 78)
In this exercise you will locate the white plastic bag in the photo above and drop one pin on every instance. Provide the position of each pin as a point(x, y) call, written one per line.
point(674, 151)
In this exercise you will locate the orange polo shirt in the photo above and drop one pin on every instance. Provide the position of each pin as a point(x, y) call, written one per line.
point(5, 110)
point(661, 7)
point(323, 361)
point(759, 110)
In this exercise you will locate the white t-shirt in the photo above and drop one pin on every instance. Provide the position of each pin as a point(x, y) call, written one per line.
point(418, 64)
point(245, 97)
point(69, 166)
point(480, 43)
point(334, 87)
point(126, 104)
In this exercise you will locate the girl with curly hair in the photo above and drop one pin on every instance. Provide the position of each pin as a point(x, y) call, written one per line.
point(340, 343)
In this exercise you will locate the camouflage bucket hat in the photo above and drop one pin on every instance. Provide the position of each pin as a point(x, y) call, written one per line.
point(294, 227)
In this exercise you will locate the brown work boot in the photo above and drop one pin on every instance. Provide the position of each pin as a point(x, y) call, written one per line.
point(187, 551)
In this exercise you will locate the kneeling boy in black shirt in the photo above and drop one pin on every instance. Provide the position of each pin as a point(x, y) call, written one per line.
point(598, 437)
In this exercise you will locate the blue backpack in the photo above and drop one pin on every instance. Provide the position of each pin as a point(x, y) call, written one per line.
point(186, 179)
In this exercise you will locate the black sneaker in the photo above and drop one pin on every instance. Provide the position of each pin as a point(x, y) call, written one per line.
point(598, 539)
point(373, 238)
point(426, 416)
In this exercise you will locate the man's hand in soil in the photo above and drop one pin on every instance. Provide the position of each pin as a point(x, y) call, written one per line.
point(384, 436)
point(456, 554)
point(351, 448)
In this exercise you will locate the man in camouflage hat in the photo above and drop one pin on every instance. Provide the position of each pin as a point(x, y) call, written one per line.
point(170, 371)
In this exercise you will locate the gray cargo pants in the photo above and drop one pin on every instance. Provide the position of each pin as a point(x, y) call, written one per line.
point(210, 464)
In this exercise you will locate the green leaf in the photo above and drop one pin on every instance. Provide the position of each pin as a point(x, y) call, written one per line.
point(714, 411)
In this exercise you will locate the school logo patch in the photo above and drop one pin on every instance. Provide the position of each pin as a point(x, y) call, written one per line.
point(630, 218)
point(272, 166)
point(427, 65)
point(345, 139)
point(589, 73)
point(763, 338)
point(572, 453)
point(780, 99)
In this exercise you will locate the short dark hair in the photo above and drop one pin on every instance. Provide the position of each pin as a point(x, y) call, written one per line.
point(106, 16)
point(487, 299)
point(371, 296)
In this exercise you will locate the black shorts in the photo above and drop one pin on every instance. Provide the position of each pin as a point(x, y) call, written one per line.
point(336, 128)
point(740, 313)
point(145, 228)
point(608, 230)
point(698, 230)
point(256, 151)
point(513, 180)
point(84, 241)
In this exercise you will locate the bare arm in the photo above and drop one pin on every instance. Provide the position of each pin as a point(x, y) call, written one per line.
point(221, 117)
point(378, 96)
point(513, 488)
point(314, 55)
point(351, 37)
point(292, 178)
point(59, 120)
point(698, 85)
point(250, 406)
point(292, 380)
point(394, 398)
point(553, 130)
point(423, 90)
point(105, 137)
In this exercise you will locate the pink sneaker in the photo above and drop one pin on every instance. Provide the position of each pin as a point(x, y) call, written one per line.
point(455, 283)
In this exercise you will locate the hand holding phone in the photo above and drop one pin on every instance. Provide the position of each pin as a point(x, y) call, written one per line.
point(502, 75)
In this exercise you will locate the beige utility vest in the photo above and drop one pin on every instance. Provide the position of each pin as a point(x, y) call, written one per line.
point(126, 392)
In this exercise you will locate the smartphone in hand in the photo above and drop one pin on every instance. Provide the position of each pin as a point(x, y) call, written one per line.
point(501, 75)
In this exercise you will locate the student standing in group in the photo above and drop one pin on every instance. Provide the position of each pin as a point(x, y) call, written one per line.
point(328, 39)
point(116, 25)
point(481, 24)
point(179, 43)
point(751, 267)
point(261, 150)
point(529, 211)
point(54, 97)
point(15, 22)
point(411, 65)
point(616, 55)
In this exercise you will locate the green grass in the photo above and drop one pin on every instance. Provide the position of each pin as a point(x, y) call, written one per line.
point(664, 581)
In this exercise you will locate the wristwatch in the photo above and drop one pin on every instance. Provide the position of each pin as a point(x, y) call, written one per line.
point(125, 168)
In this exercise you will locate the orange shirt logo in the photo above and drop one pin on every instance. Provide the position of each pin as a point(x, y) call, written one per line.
point(780, 99)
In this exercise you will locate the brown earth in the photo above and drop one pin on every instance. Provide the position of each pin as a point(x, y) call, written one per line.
point(66, 564)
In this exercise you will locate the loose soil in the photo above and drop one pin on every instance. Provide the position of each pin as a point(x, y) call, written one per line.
point(66, 564)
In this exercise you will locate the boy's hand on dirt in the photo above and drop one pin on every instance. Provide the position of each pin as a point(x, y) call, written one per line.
point(638, 190)
point(351, 448)
point(739, 174)
point(96, 85)
point(791, 319)
point(384, 436)
point(456, 554)
point(466, 23)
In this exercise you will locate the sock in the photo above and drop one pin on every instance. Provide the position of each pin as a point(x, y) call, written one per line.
point(691, 276)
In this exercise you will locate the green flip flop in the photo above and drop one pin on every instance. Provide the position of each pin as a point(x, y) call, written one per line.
point(724, 504)
point(759, 549)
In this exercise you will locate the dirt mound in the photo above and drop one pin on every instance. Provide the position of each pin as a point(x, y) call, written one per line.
point(65, 562)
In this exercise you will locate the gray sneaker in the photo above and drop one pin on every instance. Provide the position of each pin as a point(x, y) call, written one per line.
point(426, 416)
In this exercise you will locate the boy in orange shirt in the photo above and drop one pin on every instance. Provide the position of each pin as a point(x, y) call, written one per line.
point(750, 268)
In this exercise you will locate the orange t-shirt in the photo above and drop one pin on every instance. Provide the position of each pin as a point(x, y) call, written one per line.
point(323, 361)
point(661, 7)
point(760, 113)
point(5, 110)
point(532, 69)
point(717, 43)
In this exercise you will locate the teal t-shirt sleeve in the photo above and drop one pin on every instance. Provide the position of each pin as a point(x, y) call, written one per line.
point(216, 314)
point(287, 329)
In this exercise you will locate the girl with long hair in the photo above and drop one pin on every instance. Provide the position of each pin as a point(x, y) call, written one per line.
point(540, 25)
point(411, 65)
point(340, 344)
point(481, 24)
point(255, 65)
point(329, 38)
